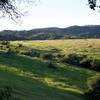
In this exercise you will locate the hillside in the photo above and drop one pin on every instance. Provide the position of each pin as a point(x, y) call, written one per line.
point(30, 77)
point(91, 31)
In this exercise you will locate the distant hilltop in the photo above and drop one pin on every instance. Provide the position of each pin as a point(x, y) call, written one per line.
point(73, 32)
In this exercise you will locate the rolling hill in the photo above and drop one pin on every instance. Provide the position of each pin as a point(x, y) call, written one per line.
point(30, 77)
point(89, 31)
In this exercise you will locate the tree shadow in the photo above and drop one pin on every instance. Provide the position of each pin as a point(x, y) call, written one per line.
point(25, 88)
point(40, 70)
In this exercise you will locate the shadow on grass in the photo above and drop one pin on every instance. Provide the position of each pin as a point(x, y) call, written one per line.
point(28, 89)
point(23, 83)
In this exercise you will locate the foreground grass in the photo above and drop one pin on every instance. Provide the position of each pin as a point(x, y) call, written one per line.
point(32, 79)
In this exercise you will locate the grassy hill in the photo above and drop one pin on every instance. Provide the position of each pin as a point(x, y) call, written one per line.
point(74, 32)
point(32, 79)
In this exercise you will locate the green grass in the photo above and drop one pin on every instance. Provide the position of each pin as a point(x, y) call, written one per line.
point(31, 79)
point(89, 47)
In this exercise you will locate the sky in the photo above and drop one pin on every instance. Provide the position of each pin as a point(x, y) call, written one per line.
point(52, 13)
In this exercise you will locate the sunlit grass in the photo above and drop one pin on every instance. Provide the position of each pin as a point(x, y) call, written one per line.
point(87, 46)
point(32, 79)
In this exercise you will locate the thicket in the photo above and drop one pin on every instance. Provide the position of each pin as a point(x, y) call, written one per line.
point(31, 53)
point(52, 65)
point(93, 93)
point(47, 56)
point(82, 61)
point(6, 93)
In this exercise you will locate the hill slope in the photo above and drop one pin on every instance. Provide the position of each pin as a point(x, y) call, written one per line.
point(92, 31)
point(32, 79)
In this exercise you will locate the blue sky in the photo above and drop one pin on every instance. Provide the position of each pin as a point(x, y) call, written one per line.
point(53, 13)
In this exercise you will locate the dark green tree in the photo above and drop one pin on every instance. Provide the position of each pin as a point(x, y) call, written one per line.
point(94, 91)
point(10, 8)
point(93, 4)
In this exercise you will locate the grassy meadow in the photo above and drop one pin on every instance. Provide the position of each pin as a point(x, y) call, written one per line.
point(30, 77)
point(87, 46)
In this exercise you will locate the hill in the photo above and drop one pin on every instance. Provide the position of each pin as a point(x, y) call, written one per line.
point(30, 77)
point(90, 31)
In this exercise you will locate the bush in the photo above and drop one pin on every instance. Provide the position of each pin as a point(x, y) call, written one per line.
point(6, 93)
point(11, 51)
point(5, 43)
point(51, 65)
point(85, 62)
point(20, 45)
point(94, 83)
point(96, 64)
point(73, 59)
point(47, 56)
point(92, 95)
point(32, 53)
point(1, 47)
point(55, 50)
point(94, 89)
point(60, 56)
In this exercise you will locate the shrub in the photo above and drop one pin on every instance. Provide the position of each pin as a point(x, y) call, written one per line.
point(73, 59)
point(47, 56)
point(55, 50)
point(5, 43)
point(20, 45)
point(94, 89)
point(83, 61)
point(60, 56)
point(96, 64)
point(32, 53)
point(36, 54)
point(7, 46)
point(28, 53)
point(92, 95)
point(1, 47)
point(6, 93)
point(10, 51)
point(51, 65)
point(86, 62)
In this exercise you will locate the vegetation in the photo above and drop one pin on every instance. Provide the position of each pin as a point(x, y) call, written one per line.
point(83, 61)
point(6, 93)
point(40, 78)
point(94, 91)
point(9, 8)
point(72, 32)
point(87, 57)
point(93, 4)
point(52, 65)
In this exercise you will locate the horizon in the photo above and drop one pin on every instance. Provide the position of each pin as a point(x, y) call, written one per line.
point(49, 27)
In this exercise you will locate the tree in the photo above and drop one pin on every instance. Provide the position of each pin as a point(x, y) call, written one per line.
point(94, 89)
point(10, 8)
point(6, 93)
point(93, 4)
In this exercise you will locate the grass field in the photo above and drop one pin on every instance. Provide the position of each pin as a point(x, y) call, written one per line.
point(86, 46)
point(32, 79)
